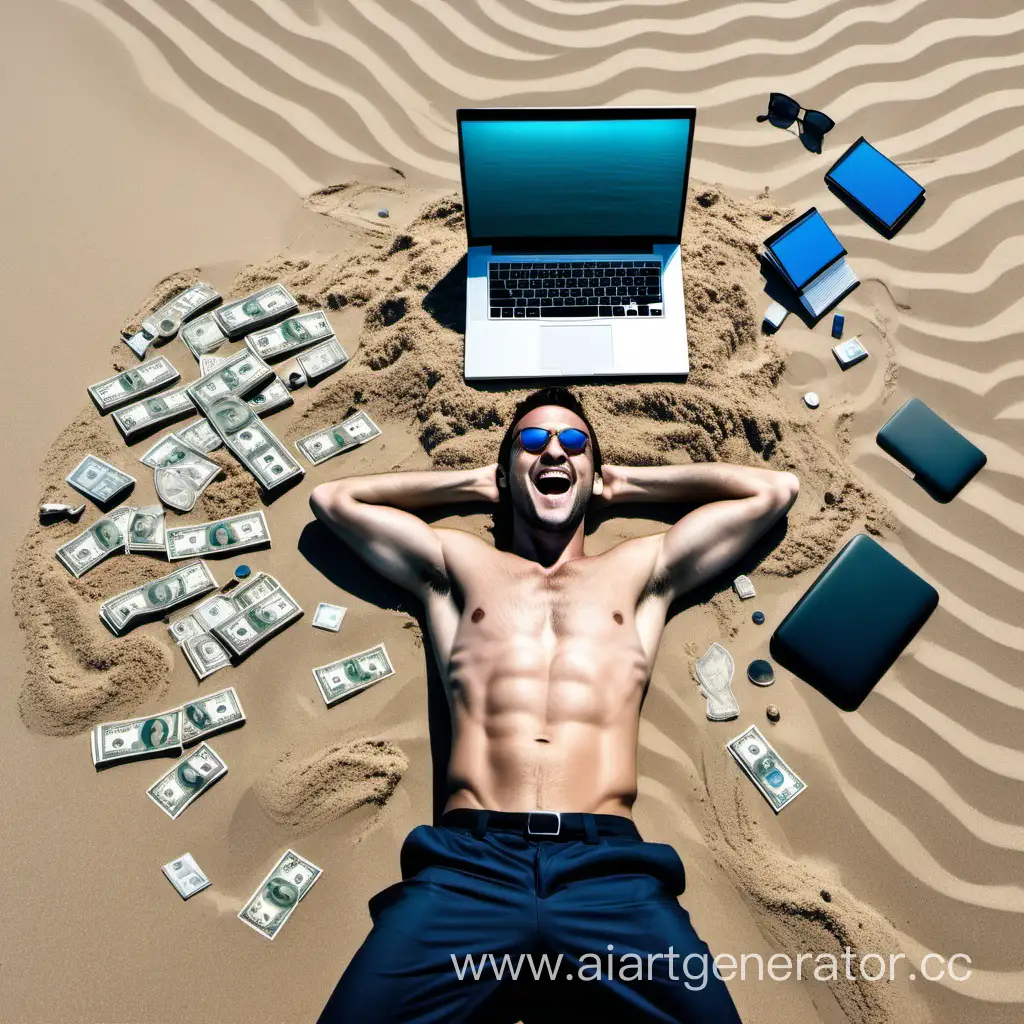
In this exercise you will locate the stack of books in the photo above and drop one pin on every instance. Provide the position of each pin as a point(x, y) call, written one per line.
point(812, 261)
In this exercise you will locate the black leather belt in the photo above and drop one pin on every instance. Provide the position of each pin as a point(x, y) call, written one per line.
point(540, 826)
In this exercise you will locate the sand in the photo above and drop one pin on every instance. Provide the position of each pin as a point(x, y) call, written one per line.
point(288, 134)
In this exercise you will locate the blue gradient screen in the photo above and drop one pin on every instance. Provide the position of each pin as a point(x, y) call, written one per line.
point(596, 178)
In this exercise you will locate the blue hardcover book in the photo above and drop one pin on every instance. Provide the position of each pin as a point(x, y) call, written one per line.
point(875, 186)
point(812, 260)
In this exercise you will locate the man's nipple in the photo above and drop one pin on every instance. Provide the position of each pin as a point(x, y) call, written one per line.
point(477, 615)
point(618, 617)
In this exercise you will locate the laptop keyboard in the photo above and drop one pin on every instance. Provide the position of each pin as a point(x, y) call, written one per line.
point(575, 288)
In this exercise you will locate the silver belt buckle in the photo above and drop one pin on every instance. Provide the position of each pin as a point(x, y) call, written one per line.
point(536, 822)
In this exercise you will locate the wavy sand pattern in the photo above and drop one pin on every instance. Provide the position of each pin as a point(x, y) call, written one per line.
point(914, 801)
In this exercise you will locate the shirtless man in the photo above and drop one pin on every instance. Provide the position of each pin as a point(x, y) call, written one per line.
point(546, 654)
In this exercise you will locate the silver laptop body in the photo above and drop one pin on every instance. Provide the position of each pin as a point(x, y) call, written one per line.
point(573, 217)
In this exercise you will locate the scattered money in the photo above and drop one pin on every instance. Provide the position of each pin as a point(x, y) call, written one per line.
point(218, 609)
point(98, 480)
point(349, 675)
point(145, 529)
point(743, 587)
point(848, 353)
point(205, 655)
point(203, 336)
point(322, 359)
point(104, 538)
point(235, 377)
point(209, 715)
point(185, 876)
point(149, 376)
point(207, 364)
point(253, 443)
point(251, 626)
point(289, 335)
point(325, 444)
point(171, 452)
point(157, 597)
point(714, 672)
point(199, 436)
point(271, 398)
point(181, 308)
point(221, 536)
point(278, 894)
point(143, 416)
point(192, 775)
point(136, 738)
point(328, 616)
point(174, 490)
point(53, 509)
point(184, 628)
point(257, 310)
point(778, 783)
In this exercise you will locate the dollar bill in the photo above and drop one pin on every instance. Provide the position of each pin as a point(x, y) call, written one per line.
point(207, 364)
point(253, 443)
point(200, 436)
point(157, 597)
point(184, 628)
point(205, 655)
point(104, 538)
point(328, 616)
point(141, 417)
point(777, 782)
point(250, 627)
point(185, 876)
point(223, 536)
point(279, 893)
point(193, 774)
point(215, 610)
point(290, 335)
point(174, 489)
point(714, 673)
point(271, 398)
point(149, 376)
point(137, 738)
point(322, 359)
point(325, 444)
point(182, 307)
point(236, 377)
point(171, 452)
point(203, 335)
point(255, 311)
point(98, 480)
point(349, 675)
point(145, 530)
point(208, 715)
point(744, 588)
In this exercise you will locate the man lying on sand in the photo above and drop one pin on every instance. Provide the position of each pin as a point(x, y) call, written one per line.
point(546, 654)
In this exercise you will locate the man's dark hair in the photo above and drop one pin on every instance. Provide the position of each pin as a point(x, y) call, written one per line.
point(555, 394)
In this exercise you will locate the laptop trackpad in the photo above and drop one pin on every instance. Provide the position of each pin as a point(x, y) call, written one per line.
point(576, 349)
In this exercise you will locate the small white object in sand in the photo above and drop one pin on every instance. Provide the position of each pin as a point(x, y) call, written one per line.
point(811, 399)
point(328, 616)
point(743, 587)
point(184, 874)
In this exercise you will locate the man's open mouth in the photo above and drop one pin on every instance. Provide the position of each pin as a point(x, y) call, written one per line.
point(553, 481)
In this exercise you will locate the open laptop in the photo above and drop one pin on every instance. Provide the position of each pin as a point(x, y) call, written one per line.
point(574, 216)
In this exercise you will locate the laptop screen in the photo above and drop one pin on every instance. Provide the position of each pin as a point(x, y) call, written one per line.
point(575, 178)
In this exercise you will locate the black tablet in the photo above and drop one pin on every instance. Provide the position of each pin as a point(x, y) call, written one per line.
point(940, 457)
point(853, 622)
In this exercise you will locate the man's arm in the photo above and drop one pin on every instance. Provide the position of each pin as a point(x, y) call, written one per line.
point(738, 506)
point(373, 515)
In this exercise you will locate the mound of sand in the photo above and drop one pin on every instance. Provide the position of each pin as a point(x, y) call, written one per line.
point(305, 795)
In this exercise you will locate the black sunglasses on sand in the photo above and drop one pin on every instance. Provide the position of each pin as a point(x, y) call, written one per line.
point(783, 110)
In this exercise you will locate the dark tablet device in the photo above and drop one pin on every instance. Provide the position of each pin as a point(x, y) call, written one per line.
point(940, 457)
point(853, 622)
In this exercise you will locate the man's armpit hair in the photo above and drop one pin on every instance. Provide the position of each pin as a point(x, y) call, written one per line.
point(436, 579)
point(659, 585)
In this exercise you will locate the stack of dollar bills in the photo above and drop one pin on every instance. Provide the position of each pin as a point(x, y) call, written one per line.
point(325, 444)
point(167, 733)
point(774, 779)
point(169, 317)
point(158, 597)
point(152, 375)
point(99, 480)
point(347, 676)
point(186, 780)
point(279, 894)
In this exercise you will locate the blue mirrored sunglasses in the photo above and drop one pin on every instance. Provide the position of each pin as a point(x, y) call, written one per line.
point(535, 439)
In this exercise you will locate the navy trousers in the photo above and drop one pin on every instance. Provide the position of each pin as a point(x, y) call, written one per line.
point(607, 904)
